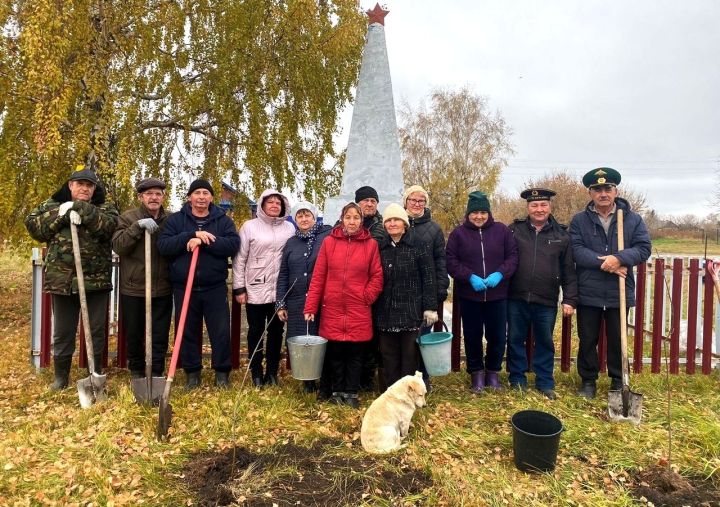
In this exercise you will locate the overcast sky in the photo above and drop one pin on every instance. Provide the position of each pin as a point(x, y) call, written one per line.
point(634, 85)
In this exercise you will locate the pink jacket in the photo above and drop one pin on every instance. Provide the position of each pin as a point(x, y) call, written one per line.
point(257, 263)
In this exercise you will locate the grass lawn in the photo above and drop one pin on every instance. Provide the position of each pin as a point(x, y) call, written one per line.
point(280, 447)
point(667, 246)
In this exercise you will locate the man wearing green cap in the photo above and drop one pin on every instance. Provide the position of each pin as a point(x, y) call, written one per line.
point(80, 200)
point(593, 233)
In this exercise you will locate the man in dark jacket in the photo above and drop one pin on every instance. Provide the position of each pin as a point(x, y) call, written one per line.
point(129, 243)
point(545, 263)
point(593, 233)
point(367, 198)
point(81, 200)
point(416, 201)
point(201, 224)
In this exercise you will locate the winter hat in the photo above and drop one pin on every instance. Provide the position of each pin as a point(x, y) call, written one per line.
point(477, 201)
point(415, 189)
point(200, 183)
point(366, 193)
point(395, 211)
point(304, 205)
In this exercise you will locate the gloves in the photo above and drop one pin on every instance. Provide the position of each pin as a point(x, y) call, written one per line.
point(149, 224)
point(494, 279)
point(75, 217)
point(478, 284)
point(430, 317)
point(64, 207)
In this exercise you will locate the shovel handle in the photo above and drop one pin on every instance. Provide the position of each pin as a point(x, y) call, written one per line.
point(623, 303)
point(183, 315)
point(83, 298)
point(148, 307)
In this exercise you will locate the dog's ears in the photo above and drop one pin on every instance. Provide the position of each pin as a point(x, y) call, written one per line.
point(418, 373)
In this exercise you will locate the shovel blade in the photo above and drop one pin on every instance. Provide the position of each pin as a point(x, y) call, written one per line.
point(164, 418)
point(92, 390)
point(625, 406)
point(142, 395)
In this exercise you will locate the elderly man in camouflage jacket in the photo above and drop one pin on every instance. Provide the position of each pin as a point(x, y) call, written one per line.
point(82, 200)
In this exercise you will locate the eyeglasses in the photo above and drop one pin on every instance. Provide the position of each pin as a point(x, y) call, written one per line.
point(417, 201)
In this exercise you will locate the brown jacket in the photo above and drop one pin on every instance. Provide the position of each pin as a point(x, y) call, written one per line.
point(129, 243)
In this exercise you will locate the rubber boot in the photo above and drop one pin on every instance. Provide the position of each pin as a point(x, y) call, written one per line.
point(271, 379)
point(337, 398)
point(192, 380)
point(588, 389)
point(492, 379)
point(62, 373)
point(222, 379)
point(309, 386)
point(478, 381)
point(98, 363)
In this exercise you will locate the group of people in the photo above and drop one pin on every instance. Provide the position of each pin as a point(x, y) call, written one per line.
point(370, 284)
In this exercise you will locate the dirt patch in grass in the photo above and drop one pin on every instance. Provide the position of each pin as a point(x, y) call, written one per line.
point(664, 487)
point(295, 475)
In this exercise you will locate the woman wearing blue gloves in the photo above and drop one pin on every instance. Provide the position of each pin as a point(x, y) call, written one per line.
point(481, 257)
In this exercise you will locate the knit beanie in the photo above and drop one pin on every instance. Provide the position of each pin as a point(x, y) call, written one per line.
point(304, 205)
point(200, 183)
point(395, 211)
point(366, 193)
point(477, 201)
point(415, 189)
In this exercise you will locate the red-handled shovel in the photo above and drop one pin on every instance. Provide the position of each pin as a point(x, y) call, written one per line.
point(165, 414)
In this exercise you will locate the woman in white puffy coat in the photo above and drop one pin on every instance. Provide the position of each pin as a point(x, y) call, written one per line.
point(255, 272)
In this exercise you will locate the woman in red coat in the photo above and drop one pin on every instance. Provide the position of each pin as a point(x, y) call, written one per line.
point(346, 282)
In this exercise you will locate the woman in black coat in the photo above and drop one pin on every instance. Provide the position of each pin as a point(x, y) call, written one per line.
point(409, 296)
point(296, 267)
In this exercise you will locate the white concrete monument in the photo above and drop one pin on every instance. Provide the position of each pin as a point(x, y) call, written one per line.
point(373, 152)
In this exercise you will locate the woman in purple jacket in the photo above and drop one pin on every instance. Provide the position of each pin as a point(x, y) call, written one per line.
point(481, 257)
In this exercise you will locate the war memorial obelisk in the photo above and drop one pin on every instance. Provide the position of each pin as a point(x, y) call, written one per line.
point(373, 152)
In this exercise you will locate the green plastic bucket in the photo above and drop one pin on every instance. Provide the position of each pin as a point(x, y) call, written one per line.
point(435, 349)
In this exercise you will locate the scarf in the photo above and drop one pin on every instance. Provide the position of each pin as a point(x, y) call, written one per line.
point(309, 236)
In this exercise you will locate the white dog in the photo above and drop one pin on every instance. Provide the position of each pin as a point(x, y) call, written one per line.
point(387, 421)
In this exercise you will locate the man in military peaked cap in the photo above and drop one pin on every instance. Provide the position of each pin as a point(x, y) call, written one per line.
point(81, 199)
point(545, 263)
point(598, 262)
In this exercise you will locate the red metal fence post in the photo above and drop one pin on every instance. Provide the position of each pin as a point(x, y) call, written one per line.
point(692, 316)
point(456, 331)
point(657, 318)
point(639, 317)
point(565, 344)
point(676, 311)
point(708, 308)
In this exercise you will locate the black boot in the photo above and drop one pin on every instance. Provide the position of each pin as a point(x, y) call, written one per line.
point(222, 379)
point(258, 382)
point(309, 386)
point(588, 389)
point(192, 380)
point(351, 400)
point(137, 374)
point(62, 373)
point(271, 379)
point(98, 363)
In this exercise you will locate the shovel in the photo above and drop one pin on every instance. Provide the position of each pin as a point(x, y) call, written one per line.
point(92, 388)
point(624, 405)
point(165, 414)
point(148, 389)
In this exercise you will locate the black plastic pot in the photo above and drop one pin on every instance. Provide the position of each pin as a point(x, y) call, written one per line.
point(536, 438)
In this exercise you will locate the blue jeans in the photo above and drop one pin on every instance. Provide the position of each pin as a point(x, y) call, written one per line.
point(521, 315)
point(488, 318)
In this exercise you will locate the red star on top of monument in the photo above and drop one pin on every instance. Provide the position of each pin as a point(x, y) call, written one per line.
point(376, 15)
